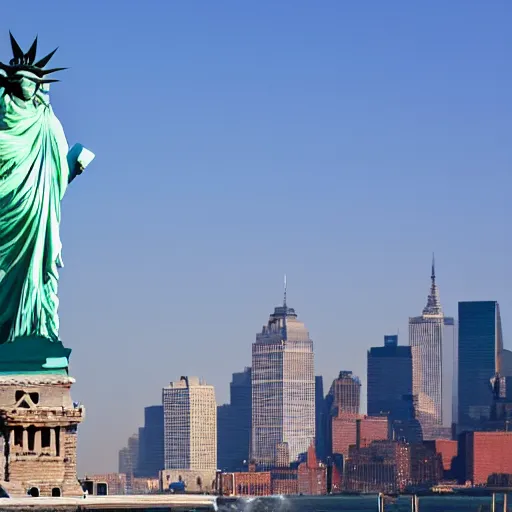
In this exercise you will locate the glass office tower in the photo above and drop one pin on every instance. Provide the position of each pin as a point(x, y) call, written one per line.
point(480, 352)
point(283, 388)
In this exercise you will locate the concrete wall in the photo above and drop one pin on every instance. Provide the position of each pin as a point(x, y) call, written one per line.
point(190, 477)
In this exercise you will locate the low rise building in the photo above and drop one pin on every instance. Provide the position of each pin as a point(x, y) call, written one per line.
point(284, 481)
point(358, 430)
point(247, 483)
point(485, 454)
point(105, 484)
point(312, 476)
point(194, 480)
point(447, 449)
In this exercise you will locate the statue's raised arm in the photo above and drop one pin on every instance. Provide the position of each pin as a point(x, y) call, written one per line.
point(35, 169)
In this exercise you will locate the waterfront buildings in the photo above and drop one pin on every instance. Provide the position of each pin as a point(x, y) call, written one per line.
point(283, 387)
point(426, 336)
point(479, 360)
point(234, 424)
point(485, 454)
point(194, 480)
point(106, 484)
point(312, 475)
point(390, 466)
point(284, 481)
point(190, 425)
point(447, 449)
point(151, 443)
point(389, 377)
point(357, 429)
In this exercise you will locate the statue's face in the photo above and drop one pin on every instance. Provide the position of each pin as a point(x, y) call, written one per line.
point(22, 86)
point(27, 89)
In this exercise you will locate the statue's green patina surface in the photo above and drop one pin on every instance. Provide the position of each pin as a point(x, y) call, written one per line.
point(36, 167)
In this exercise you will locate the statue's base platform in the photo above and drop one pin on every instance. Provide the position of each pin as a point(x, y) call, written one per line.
point(33, 354)
point(38, 435)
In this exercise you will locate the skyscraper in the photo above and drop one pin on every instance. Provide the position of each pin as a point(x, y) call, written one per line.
point(234, 424)
point(190, 425)
point(426, 334)
point(151, 442)
point(479, 360)
point(389, 379)
point(344, 398)
point(345, 394)
point(283, 387)
point(129, 460)
point(321, 418)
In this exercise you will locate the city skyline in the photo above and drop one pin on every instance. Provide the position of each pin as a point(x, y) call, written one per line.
point(284, 312)
point(369, 447)
point(279, 138)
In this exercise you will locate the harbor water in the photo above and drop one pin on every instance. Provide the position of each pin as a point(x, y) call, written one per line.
point(359, 504)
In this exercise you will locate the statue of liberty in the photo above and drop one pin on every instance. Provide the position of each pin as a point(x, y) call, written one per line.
point(36, 167)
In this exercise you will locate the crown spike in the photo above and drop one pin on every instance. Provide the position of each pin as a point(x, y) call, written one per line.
point(42, 63)
point(30, 56)
point(16, 50)
point(48, 71)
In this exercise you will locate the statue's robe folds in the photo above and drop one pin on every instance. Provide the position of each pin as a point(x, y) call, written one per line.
point(34, 175)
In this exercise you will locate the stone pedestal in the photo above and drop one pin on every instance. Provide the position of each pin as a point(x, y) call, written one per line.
point(38, 434)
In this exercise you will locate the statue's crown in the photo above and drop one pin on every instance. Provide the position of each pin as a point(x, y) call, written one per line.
point(26, 62)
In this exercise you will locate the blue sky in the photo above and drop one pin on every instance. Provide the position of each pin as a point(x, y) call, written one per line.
point(339, 142)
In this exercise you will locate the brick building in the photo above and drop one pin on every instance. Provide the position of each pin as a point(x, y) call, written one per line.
point(373, 468)
point(248, 483)
point(391, 466)
point(312, 476)
point(484, 454)
point(447, 449)
point(426, 465)
point(284, 481)
point(357, 429)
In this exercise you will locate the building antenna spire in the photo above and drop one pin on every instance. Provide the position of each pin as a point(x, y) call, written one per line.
point(433, 306)
point(285, 290)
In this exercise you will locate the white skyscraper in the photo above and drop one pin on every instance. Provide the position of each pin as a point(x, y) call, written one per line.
point(283, 388)
point(190, 425)
point(427, 333)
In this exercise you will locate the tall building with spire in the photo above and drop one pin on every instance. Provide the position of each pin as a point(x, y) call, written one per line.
point(283, 388)
point(427, 333)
